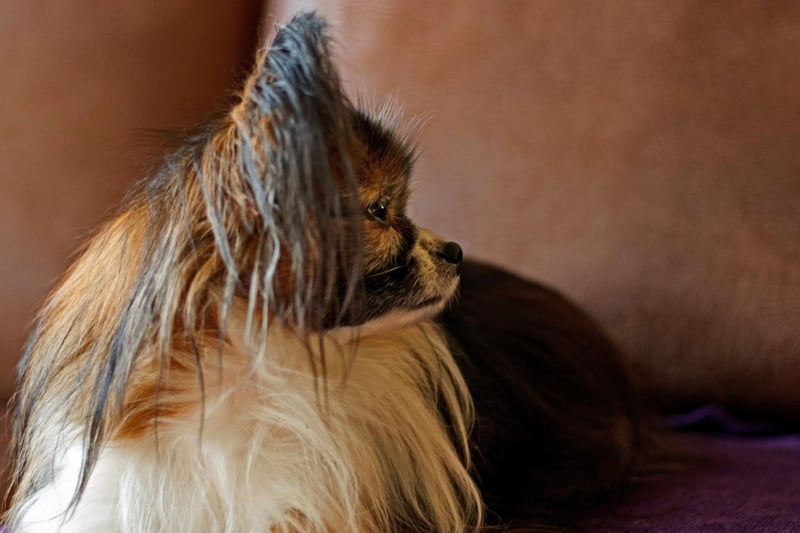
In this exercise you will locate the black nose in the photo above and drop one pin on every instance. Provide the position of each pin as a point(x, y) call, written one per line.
point(452, 253)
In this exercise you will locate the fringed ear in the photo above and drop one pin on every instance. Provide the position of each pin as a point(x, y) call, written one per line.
point(293, 108)
point(294, 141)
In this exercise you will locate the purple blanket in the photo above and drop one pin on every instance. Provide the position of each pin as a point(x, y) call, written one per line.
point(750, 484)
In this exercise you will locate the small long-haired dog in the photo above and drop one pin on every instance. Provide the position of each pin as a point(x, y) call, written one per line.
point(252, 344)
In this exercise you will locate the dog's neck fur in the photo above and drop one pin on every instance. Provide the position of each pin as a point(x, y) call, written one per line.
point(365, 449)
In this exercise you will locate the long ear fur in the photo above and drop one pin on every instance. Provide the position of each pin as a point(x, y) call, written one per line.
point(251, 208)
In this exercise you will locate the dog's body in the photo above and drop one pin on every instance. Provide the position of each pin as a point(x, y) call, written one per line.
point(250, 345)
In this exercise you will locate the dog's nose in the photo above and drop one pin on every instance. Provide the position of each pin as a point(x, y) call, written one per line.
point(452, 253)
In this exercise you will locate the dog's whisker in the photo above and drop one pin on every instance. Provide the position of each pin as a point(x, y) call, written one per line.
point(387, 271)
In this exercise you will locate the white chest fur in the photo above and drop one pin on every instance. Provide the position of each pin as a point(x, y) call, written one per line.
point(281, 452)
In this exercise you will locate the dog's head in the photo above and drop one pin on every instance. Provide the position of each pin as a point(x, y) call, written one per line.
point(306, 196)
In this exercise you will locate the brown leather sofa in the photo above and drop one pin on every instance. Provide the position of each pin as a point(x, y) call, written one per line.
point(642, 156)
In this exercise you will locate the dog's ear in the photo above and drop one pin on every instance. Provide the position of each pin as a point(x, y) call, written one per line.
point(293, 109)
point(292, 143)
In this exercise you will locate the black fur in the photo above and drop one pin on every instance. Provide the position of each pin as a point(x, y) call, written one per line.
point(559, 424)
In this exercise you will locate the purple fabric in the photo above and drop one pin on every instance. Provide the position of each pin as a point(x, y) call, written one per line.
point(715, 419)
point(750, 483)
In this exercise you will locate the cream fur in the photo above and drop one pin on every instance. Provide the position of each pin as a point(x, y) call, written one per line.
point(282, 452)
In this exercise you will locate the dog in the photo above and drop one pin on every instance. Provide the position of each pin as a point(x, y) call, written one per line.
point(261, 340)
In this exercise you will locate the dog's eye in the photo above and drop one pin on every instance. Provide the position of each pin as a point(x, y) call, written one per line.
point(378, 210)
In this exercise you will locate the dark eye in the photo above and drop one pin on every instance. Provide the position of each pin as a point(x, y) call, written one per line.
point(378, 210)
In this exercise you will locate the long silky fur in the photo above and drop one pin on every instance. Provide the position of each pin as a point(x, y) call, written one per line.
point(177, 370)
